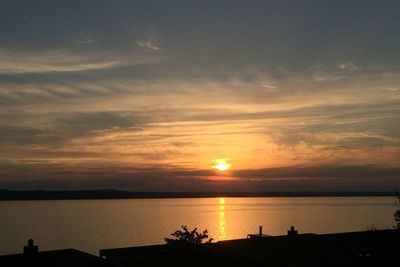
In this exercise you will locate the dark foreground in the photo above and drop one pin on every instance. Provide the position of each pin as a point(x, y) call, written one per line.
point(368, 248)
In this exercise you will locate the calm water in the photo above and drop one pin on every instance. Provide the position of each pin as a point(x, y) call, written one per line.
point(91, 225)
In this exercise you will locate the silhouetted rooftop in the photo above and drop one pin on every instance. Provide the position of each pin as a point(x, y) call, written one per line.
point(367, 248)
point(54, 258)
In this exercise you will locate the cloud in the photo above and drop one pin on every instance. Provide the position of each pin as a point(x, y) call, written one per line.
point(20, 135)
point(330, 171)
point(348, 66)
point(148, 45)
point(45, 175)
point(86, 122)
point(15, 62)
point(392, 89)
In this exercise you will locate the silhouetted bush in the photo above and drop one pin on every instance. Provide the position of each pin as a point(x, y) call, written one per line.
point(189, 236)
point(396, 215)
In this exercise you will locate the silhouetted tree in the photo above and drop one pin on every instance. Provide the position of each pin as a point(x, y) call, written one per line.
point(189, 236)
point(396, 215)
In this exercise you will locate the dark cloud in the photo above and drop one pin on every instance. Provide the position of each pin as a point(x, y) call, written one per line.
point(346, 171)
point(48, 175)
point(24, 136)
point(81, 123)
point(68, 126)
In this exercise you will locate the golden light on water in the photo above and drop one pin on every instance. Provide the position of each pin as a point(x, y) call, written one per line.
point(221, 164)
point(222, 235)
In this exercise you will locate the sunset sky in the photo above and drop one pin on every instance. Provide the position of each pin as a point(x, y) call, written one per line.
point(153, 95)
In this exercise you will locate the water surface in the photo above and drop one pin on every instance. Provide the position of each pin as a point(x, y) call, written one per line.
point(90, 225)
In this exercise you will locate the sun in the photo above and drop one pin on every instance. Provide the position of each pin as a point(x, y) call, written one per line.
point(221, 164)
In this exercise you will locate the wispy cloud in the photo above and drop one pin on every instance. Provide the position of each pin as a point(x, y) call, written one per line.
point(348, 66)
point(148, 45)
point(14, 62)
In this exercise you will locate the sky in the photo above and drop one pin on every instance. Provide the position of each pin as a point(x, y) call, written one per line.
point(148, 95)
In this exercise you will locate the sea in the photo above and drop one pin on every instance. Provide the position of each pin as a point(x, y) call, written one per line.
point(91, 225)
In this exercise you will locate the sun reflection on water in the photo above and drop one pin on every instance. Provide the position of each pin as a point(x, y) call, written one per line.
point(221, 221)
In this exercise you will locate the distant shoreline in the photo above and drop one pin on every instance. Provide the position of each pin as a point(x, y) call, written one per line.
point(7, 195)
